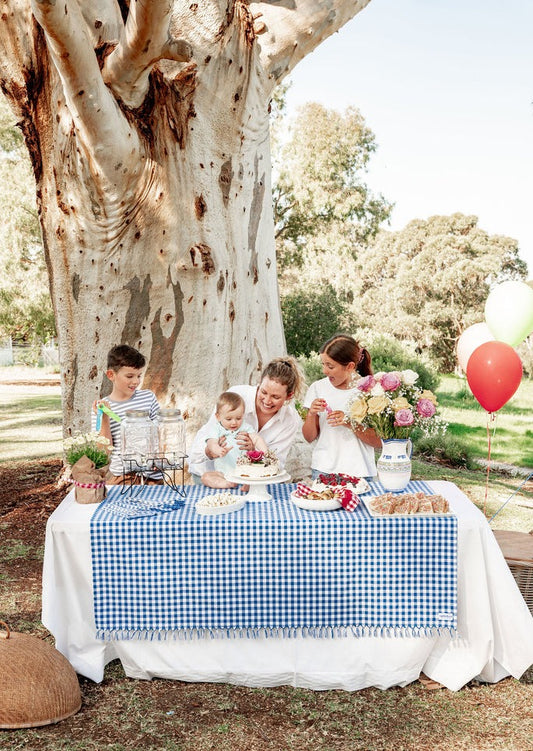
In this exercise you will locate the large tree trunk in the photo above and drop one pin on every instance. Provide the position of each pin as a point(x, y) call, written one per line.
point(149, 138)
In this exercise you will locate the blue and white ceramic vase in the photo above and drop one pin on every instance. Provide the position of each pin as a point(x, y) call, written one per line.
point(394, 464)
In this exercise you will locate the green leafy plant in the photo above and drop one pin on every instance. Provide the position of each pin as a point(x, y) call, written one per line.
point(92, 445)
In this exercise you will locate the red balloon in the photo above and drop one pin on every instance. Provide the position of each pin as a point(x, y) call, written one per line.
point(494, 372)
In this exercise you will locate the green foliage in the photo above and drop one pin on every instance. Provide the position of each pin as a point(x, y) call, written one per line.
point(469, 423)
point(431, 280)
point(25, 307)
point(445, 449)
point(91, 445)
point(322, 206)
point(390, 354)
point(310, 317)
point(311, 366)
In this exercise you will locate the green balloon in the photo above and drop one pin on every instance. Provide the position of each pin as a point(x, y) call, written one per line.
point(509, 312)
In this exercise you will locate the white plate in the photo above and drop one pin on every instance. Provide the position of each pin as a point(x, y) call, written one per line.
point(371, 511)
point(361, 487)
point(310, 504)
point(282, 477)
point(227, 509)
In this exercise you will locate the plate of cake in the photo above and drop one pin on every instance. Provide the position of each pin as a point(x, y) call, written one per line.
point(219, 503)
point(407, 504)
point(257, 465)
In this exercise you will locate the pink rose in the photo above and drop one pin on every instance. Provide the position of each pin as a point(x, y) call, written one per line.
point(366, 383)
point(425, 408)
point(254, 456)
point(390, 381)
point(404, 418)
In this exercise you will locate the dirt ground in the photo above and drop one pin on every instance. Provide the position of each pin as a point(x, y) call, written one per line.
point(120, 713)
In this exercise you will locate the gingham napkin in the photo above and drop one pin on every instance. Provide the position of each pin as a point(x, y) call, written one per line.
point(139, 501)
point(346, 497)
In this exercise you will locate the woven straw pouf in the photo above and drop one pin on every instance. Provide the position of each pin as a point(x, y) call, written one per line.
point(38, 686)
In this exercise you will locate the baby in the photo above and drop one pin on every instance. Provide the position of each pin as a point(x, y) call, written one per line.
point(223, 446)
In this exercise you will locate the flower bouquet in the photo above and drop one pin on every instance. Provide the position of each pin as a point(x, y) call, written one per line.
point(392, 405)
point(87, 455)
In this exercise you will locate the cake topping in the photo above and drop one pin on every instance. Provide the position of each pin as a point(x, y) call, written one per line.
point(258, 457)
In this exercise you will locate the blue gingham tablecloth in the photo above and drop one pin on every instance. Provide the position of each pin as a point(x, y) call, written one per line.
point(270, 568)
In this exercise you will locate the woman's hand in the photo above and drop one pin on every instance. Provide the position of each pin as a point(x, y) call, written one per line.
point(244, 441)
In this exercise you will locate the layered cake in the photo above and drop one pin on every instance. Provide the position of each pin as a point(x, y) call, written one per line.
point(256, 465)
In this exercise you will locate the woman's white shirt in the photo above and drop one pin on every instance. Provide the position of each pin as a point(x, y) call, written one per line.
point(278, 433)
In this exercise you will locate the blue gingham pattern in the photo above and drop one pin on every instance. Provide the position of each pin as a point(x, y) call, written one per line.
point(272, 567)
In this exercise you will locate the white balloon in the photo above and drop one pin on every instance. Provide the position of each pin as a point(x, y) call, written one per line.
point(471, 339)
point(509, 312)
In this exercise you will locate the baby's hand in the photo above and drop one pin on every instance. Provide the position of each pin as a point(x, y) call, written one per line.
point(216, 449)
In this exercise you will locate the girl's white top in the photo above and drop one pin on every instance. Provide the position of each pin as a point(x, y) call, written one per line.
point(337, 449)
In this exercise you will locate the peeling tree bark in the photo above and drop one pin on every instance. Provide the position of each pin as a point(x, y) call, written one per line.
point(147, 126)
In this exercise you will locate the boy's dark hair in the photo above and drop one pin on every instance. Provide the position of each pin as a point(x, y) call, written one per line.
point(125, 356)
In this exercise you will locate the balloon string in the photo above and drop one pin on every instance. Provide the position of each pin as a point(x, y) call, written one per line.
point(490, 418)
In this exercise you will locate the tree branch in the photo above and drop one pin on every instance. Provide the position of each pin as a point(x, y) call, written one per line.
point(96, 115)
point(291, 29)
point(103, 19)
point(146, 39)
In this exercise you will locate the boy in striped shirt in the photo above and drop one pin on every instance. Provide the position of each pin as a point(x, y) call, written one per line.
point(125, 369)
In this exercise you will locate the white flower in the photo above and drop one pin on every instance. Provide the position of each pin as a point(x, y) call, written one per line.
point(409, 377)
point(377, 390)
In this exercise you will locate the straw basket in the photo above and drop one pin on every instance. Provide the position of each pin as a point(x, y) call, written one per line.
point(38, 686)
point(517, 549)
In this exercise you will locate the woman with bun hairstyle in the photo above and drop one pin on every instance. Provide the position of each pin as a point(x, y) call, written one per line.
point(269, 409)
point(339, 447)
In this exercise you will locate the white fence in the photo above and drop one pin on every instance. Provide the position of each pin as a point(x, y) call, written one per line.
point(28, 354)
point(6, 352)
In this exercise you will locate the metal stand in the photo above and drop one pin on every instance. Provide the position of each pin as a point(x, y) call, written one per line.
point(168, 467)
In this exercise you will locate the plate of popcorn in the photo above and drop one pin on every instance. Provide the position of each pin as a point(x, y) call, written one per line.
point(219, 503)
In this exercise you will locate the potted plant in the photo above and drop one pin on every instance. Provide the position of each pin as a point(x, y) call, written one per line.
point(87, 455)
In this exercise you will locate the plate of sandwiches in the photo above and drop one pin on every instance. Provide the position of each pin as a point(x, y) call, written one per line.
point(407, 504)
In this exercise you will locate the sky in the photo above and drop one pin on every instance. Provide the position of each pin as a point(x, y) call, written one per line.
point(446, 86)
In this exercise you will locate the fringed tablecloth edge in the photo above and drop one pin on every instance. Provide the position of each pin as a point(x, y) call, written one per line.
point(313, 632)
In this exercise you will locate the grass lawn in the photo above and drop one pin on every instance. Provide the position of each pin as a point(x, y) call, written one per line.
point(510, 432)
point(30, 422)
